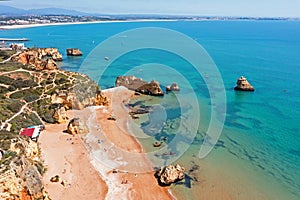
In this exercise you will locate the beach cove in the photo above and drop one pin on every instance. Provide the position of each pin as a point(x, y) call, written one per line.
point(112, 182)
point(257, 155)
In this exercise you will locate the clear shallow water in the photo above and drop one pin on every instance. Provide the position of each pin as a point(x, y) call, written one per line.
point(260, 142)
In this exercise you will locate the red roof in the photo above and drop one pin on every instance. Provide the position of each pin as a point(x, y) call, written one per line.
point(27, 132)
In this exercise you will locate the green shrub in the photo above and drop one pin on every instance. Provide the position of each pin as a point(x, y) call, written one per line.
point(26, 93)
point(3, 90)
point(6, 80)
point(15, 106)
point(12, 88)
point(31, 97)
point(19, 83)
point(10, 66)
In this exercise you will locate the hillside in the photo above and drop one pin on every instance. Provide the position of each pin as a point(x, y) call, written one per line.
point(33, 91)
point(12, 11)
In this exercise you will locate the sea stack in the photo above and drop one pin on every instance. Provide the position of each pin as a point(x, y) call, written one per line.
point(243, 85)
point(74, 52)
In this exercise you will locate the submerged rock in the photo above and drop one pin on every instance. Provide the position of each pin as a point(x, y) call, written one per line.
point(171, 174)
point(140, 86)
point(243, 85)
point(77, 126)
point(157, 144)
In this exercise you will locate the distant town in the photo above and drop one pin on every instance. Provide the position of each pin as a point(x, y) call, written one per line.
point(46, 19)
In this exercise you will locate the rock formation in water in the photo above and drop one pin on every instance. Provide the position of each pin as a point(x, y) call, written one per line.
point(77, 126)
point(170, 174)
point(74, 52)
point(243, 85)
point(173, 87)
point(138, 85)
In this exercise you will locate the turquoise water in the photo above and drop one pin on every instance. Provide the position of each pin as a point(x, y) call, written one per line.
point(260, 142)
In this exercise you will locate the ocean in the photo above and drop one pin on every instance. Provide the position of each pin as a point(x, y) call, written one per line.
point(258, 153)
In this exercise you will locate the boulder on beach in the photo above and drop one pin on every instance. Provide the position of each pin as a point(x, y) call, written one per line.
point(243, 84)
point(170, 174)
point(173, 87)
point(74, 52)
point(140, 86)
point(55, 179)
point(77, 126)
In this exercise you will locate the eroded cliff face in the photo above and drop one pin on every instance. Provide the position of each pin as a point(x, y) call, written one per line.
point(21, 169)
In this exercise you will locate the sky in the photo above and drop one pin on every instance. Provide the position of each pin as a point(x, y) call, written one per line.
point(254, 8)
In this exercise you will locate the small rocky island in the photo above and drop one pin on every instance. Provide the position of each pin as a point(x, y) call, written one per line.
point(74, 52)
point(243, 85)
point(140, 86)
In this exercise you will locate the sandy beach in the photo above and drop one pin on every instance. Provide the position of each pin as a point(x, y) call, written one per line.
point(102, 159)
point(21, 26)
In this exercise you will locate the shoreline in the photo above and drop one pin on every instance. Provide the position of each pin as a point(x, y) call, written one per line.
point(115, 178)
point(23, 26)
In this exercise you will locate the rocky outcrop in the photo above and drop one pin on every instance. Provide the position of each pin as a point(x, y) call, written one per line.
point(74, 52)
point(77, 126)
point(138, 85)
point(243, 85)
point(50, 52)
point(170, 174)
point(22, 178)
point(72, 100)
point(60, 115)
point(40, 58)
point(173, 87)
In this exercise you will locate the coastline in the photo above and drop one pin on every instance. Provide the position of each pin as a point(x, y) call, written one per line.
point(10, 27)
point(114, 179)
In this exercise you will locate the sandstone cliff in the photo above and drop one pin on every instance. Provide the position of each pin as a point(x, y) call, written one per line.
point(21, 169)
point(40, 58)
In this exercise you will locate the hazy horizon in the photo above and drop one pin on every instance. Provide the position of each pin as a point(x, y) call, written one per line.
point(254, 8)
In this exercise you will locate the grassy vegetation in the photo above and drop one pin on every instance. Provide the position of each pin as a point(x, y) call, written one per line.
point(9, 107)
point(5, 55)
point(24, 120)
point(20, 83)
point(9, 66)
point(6, 80)
point(27, 94)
